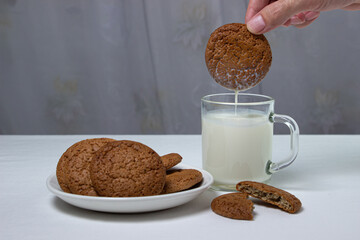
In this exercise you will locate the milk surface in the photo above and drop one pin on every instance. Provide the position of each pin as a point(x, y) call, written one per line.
point(236, 146)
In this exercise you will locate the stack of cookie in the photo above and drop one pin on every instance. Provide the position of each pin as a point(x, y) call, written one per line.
point(111, 168)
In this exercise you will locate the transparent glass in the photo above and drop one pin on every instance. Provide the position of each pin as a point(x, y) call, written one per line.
point(237, 138)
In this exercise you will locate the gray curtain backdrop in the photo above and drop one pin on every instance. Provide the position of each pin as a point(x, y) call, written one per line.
point(137, 67)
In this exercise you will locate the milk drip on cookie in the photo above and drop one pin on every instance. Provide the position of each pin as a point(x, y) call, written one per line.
point(237, 59)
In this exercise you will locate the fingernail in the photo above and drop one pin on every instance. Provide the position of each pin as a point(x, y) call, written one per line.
point(256, 24)
point(296, 21)
point(311, 15)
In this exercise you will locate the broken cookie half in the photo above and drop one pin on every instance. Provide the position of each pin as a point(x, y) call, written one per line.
point(284, 200)
point(233, 205)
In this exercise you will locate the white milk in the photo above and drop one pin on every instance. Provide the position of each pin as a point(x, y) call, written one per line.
point(236, 146)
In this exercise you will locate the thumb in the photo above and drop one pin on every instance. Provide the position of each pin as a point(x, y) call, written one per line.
point(274, 15)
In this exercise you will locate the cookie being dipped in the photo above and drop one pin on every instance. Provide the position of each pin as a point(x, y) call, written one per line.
point(236, 58)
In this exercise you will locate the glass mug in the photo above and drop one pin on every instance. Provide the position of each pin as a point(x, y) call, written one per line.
point(237, 138)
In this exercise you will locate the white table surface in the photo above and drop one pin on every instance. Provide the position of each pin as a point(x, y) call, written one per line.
point(325, 177)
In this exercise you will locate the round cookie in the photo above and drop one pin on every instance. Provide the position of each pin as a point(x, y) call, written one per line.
point(127, 169)
point(170, 160)
point(182, 179)
point(236, 58)
point(78, 167)
point(73, 169)
point(233, 205)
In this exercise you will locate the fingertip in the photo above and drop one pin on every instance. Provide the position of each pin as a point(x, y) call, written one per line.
point(311, 15)
point(307, 23)
point(287, 23)
point(296, 20)
point(256, 25)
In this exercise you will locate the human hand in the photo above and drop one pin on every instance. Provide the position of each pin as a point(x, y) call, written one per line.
point(265, 15)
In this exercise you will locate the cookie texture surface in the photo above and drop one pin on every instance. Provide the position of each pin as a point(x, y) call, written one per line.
point(236, 58)
point(127, 169)
point(270, 194)
point(233, 205)
point(181, 179)
point(73, 170)
point(170, 160)
point(60, 174)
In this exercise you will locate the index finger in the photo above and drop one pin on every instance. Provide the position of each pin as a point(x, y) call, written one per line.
point(254, 7)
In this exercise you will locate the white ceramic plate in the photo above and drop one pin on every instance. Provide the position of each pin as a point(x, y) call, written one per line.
point(132, 204)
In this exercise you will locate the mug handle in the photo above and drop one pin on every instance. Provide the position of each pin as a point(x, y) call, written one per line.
point(294, 142)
